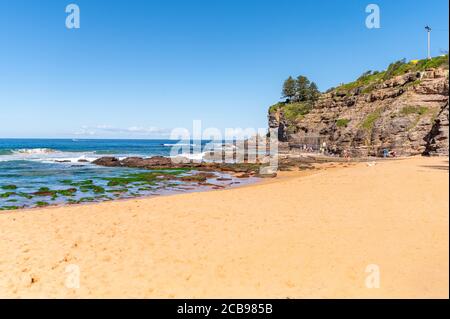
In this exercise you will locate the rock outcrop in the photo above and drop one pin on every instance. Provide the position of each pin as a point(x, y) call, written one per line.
point(408, 114)
point(437, 138)
point(160, 162)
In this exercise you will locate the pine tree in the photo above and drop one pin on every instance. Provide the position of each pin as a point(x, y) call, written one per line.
point(302, 88)
point(289, 88)
point(314, 92)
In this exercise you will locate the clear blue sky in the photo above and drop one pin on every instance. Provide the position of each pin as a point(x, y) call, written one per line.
point(136, 68)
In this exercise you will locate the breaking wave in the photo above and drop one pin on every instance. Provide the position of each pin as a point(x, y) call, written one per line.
point(32, 151)
point(178, 144)
point(46, 155)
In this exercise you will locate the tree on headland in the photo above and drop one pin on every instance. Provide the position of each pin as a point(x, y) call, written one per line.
point(289, 88)
point(301, 95)
point(300, 90)
point(313, 92)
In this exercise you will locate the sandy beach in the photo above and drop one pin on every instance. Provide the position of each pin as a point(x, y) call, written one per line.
point(301, 235)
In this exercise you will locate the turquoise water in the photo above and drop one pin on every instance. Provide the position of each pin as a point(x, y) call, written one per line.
point(36, 173)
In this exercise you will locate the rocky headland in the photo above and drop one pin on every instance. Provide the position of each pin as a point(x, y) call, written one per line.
point(403, 109)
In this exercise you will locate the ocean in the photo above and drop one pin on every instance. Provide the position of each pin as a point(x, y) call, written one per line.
point(75, 149)
point(43, 172)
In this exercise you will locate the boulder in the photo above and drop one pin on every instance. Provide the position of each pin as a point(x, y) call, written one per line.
point(107, 161)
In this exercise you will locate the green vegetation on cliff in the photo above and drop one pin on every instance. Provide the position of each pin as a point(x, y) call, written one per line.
point(342, 122)
point(300, 94)
point(420, 110)
point(370, 120)
point(369, 79)
point(292, 110)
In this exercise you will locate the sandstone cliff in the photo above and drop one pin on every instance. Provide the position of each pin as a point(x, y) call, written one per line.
point(408, 114)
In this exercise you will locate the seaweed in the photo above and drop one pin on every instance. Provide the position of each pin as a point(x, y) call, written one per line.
point(94, 188)
point(9, 208)
point(199, 178)
point(121, 190)
point(24, 195)
point(83, 183)
point(45, 192)
point(42, 204)
point(7, 194)
point(143, 189)
point(147, 178)
point(67, 192)
point(9, 187)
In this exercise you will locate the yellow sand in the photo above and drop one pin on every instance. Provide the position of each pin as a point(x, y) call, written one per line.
point(296, 236)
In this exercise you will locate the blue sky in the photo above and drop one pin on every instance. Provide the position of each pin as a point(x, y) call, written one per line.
point(139, 68)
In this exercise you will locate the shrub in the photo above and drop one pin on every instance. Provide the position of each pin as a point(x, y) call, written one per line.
point(369, 79)
point(397, 68)
point(370, 120)
point(437, 62)
point(295, 111)
point(365, 80)
point(342, 122)
point(420, 110)
point(275, 107)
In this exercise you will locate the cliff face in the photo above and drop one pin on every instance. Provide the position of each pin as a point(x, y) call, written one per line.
point(408, 114)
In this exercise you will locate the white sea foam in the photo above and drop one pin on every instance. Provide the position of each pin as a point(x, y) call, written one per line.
point(46, 155)
point(224, 146)
point(178, 144)
point(192, 156)
point(68, 158)
point(50, 156)
point(34, 151)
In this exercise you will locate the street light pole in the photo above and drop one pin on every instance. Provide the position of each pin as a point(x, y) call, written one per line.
point(428, 28)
